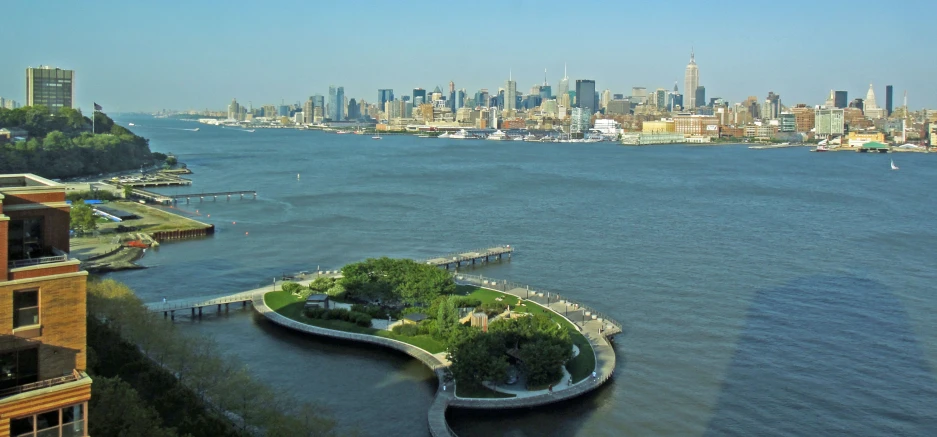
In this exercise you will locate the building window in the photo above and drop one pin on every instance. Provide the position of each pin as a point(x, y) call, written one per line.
point(66, 422)
point(25, 308)
point(25, 239)
point(19, 367)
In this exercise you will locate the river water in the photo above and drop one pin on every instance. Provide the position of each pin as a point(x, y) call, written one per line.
point(762, 292)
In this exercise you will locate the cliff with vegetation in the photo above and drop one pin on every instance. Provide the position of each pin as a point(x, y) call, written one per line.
point(61, 144)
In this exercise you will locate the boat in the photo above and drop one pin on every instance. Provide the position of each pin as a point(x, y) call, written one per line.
point(341, 132)
point(422, 136)
point(821, 148)
point(518, 138)
point(461, 135)
point(893, 166)
point(444, 135)
point(497, 136)
point(249, 130)
point(376, 137)
point(131, 124)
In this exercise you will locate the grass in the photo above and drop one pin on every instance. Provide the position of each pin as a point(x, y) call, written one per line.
point(580, 367)
point(475, 391)
point(292, 307)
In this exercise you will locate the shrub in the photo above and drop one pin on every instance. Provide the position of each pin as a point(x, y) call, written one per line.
point(373, 310)
point(466, 302)
point(406, 329)
point(292, 288)
point(361, 319)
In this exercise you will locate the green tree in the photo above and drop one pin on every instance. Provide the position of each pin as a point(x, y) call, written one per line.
point(83, 218)
point(478, 358)
point(543, 359)
point(116, 409)
point(447, 318)
point(128, 191)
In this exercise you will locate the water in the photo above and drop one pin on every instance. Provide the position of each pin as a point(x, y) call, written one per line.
point(771, 292)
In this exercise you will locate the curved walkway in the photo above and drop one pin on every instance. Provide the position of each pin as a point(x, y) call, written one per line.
point(436, 417)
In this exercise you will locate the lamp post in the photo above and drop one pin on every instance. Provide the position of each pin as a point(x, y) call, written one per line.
point(274, 283)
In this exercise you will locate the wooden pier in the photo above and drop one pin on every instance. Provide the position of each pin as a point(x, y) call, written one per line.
point(195, 306)
point(483, 256)
point(201, 196)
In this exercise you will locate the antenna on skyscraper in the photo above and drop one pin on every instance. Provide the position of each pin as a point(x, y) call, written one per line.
point(544, 76)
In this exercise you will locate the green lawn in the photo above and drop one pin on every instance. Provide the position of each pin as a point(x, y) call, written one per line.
point(474, 391)
point(292, 307)
point(580, 367)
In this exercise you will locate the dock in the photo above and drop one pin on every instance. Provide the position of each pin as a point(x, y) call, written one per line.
point(169, 308)
point(483, 256)
point(201, 196)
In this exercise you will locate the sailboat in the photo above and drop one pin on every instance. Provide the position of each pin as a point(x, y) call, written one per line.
point(893, 166)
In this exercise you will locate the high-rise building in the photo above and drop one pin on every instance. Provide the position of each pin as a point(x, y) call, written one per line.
point(638, 95)
point(460, 99)
point(888, 99)
point(336, 103)
point(772, 108)
point(421, 93)
point(585, 96)
point(353, 111)
point(562, 94)
point(309, 110)
point(871, 108)
point(579, 123)
point(510, 95)
point(829, 121)
point(44, 389)
point(618, 107)
point(691, 82)
point(699, 97)
point(605, 98)
point(234, 110)
point(384, 96)
point(660, 98)
point(840, 99)
point(51, 87)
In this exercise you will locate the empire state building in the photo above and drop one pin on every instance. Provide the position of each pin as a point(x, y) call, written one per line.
point(691, 82)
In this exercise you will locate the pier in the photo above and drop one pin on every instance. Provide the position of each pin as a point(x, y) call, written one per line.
point(482, 256)
point(201, 196)
point(169, 308)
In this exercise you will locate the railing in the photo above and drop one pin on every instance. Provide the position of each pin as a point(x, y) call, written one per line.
point(548, 296)
point(59, 256)
point(74, 376)
point(184, 305)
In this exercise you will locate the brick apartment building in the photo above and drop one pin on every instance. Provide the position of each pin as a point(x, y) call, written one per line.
point(44, 390)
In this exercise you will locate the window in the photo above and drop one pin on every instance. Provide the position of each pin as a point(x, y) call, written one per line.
point(19, 367)
point(66, 422)
point(25, 238)
point(25, 308)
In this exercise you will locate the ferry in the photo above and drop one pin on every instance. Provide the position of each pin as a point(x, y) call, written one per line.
point(497, 136)
point(461, 135)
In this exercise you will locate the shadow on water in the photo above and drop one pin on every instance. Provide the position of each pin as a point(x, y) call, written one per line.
point(827, 356)
point(536, 421)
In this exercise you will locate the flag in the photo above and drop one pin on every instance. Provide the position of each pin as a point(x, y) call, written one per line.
point(98, 107)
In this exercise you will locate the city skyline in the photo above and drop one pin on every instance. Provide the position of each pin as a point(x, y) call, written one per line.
point(190, 67)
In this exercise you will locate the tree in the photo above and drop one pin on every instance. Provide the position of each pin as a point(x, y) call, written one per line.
point(83, 218)
point(478, 358)
point(116, 409)
point(447, 318)
point(542, 360)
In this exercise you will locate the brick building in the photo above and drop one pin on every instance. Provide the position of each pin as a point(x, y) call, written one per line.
point(44, 390)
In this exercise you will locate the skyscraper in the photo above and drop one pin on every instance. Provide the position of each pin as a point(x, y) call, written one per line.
point(460, 98)
point(336, 103)
point(888, 99)
point(699, 97)
point(871, 108)
point(452, 98)
point(510, 91)
point(421, 93)
point(691, 82)
point(51, 87)
point(585, 95)
point(353, 113)
point(840, 99)
point(562, 93)
point(384, 96)
point(234, 110)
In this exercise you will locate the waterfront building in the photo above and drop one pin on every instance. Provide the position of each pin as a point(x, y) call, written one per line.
point(691, 82)
point(787, 122)
point(804, 118)
point(658, 126)
point(619, 107)
point(44, 390)
point(336, 103)
point(689, 124)
point(889, 91)
point(585, 96)
point(871, 109)
point(308, 111)
point(644, 139)
point(51, 87)
point(762, 131)
point(829, 121)
point(856, 139)
point(579, 121)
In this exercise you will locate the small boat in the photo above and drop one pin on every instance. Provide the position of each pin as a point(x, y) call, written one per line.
point(893, 166)
point(341, 132)
point(422, 136)
point(444, 135)
point(297, 176)
point(131, 124)
point(821, 148)
point(376, 137)
point(249, 130)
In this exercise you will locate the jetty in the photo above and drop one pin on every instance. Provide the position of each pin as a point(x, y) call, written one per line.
point(166, 199)
point(483, 256)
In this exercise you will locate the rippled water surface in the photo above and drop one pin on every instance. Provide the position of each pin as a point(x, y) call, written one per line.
point(763, 292)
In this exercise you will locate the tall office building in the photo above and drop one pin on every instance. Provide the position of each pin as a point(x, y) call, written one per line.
point(699, 97)
point(691, 82)
point(638, 95)
point(510, 94)
point(562, 93)
point(585, 96)
point(336, 103)
point(772, 109)
point(384, 96)
point(234, 110)
point(44, 390)
point(871, 108)
point(51, 87)
point(840, 99)
point(829, 122)
point(660, 98)
point(460, 99)
point(353, 112)
point(309, 110)
point(888, 99)
point(605, 98)
point(421, 93)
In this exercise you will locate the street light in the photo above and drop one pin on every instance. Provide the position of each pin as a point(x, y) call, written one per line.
point(274, 283)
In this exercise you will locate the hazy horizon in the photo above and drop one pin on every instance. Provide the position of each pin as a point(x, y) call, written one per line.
point(175, 55)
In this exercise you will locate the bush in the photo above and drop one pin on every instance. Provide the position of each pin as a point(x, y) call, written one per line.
point(292, 288)
point(373, 310)
point(466, 302)
point(406, 329)
point(358, 318)
point(493, 308)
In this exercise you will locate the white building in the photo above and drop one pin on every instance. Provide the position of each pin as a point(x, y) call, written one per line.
point(690, 83)
point(829, 121)
point(607, 127)
point(579, 123)
point(871, 107)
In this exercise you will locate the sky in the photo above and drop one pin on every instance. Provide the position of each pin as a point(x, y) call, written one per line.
point(171, 54)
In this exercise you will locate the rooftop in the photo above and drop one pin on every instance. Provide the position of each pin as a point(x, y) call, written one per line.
point(26, 180)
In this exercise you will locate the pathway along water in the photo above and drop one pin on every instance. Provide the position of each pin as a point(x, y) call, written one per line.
point(763, 291)
point(593, 329)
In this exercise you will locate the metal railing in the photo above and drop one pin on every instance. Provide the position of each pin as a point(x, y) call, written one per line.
point(57, 257)
point(497, 249)
point(549, 297)
point(74, 376)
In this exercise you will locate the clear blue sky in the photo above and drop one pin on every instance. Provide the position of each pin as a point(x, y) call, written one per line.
point(199, 54)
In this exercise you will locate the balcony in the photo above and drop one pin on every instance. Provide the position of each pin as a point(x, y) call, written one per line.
point(75, 376)
point(52, 256)
point(49, 262)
